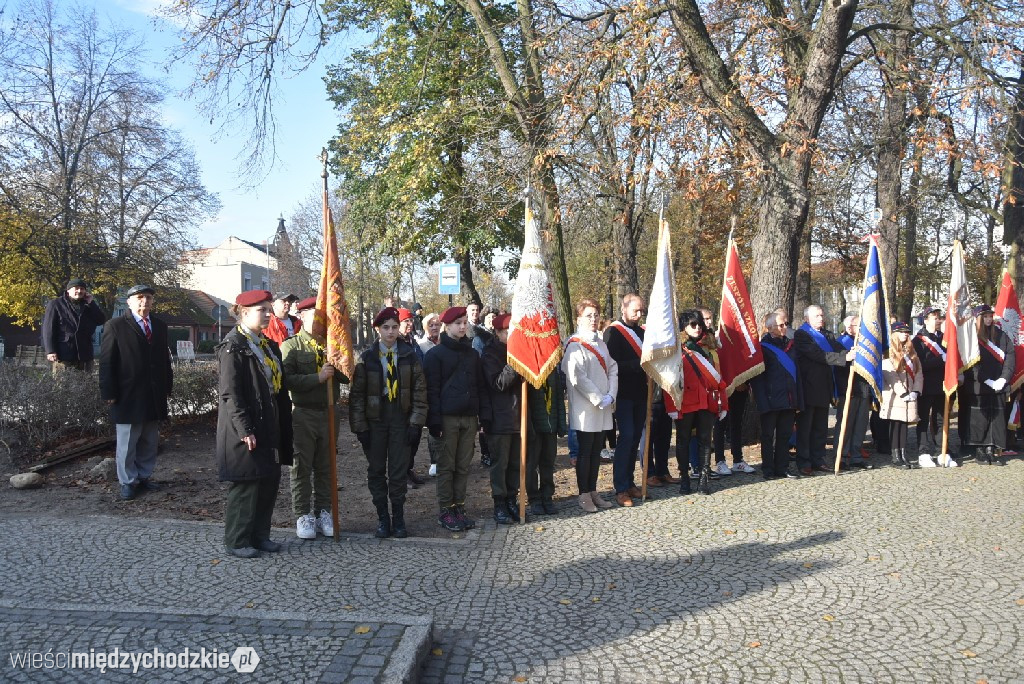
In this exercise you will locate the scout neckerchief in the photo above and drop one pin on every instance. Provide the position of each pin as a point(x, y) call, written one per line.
point(822, 342)
point(592, 349)
point(933, 346)
point(392, 377)
point(319, 353)
point(634, 340)
point(270, 365)
point(783, 358)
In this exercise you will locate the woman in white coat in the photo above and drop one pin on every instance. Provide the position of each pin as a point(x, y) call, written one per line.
point(902, 382)
point(592, 380)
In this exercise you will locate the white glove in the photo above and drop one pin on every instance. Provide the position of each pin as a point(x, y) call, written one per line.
point(606, 401)
point(910, 397)
point(998, 384)
point(722, 415)
point(990, 384)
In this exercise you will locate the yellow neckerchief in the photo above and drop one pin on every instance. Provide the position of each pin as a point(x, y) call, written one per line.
point(269, 360)
point(319, 353)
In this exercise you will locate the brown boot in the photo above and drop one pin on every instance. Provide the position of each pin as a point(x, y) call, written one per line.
point(623, 499)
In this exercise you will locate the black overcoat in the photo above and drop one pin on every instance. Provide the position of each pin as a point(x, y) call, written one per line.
point(134, 372)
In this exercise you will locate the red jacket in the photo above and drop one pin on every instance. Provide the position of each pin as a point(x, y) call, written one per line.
point(276, 330)
point(698, 395)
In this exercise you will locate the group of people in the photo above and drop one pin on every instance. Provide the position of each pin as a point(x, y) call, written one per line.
point(448, 373)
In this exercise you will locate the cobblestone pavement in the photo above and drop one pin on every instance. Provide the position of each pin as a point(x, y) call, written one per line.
point(886, 575)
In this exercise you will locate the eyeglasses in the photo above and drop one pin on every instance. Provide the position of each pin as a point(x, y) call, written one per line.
point(693, 324)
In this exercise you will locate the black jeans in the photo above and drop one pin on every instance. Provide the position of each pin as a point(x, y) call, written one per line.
point(704, 422)
point(588, 463)
point(929, 409)
point(776, 429)
point(660, 439)
point(811, 433)
point(734, 422)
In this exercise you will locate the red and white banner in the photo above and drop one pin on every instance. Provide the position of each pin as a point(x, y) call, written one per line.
point(660, 356)
point(960, 333)
point(739, 352)
point(1007, 312)
point(534, 347)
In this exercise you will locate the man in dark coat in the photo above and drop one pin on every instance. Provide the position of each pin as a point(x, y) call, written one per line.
point(931, 404)
point(818, 352)
point(778, 395)
point(254, 426)
point(136, 379)
point(624, 338)
point(68, 326)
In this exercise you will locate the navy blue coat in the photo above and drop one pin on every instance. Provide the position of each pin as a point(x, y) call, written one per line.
point(776, 389)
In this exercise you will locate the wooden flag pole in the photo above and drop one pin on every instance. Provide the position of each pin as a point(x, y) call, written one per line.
point(945, 429)
point(846, 412)
point(647, 440)
point(522, 457)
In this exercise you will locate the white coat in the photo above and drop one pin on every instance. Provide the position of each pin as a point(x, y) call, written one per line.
point(894, 386)
point(587, 382)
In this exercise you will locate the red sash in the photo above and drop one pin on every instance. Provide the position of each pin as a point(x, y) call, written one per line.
point(634, 340)
point(592, 349)
point(995, 351)
point(932, 345)
point(709, 376)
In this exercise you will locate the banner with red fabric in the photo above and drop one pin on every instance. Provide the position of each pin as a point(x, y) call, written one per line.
point(331, 318)
point(960, 333)
point(534, 346)
point(1007, 311)
point(739, 354)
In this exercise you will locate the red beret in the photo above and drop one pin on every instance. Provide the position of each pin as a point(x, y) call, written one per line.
point(387, 313)
point(253, 297)
point(452, 313)
point(307, 303)
point(501, 321)
point(404, 315)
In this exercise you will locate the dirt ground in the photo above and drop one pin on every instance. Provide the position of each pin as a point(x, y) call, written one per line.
point(187, 470)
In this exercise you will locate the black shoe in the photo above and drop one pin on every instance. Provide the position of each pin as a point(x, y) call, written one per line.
point(793, 474)
point(449, 519)
point(127, 492)
point(467, 522)
point(536, 508)
point(149, 485)
point(704, 483)
point(684, 486)
point(268, 546)
point(501, 515)
point(383, 527)
point(512, 504)
point(862, 466)
point(244, 552)
point(398, 526)
point(549, 507)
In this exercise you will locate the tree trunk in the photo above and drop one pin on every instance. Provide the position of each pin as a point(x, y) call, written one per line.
point(776, 247)
point(905, 306)
point(803, 296)
point(1013, 180)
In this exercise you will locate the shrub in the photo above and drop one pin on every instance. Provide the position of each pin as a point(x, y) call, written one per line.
point(39, 409)
point(206, 346)
point(195, 388)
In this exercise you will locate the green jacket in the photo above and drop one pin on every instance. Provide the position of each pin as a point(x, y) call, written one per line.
point(300, 373)
point(366, 394)
point(541, 418)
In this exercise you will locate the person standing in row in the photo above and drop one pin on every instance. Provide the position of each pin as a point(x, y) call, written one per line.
point(778, 395)
point(592, 376)
point(406, 324)
point(452, 369)
point(984, 390)
point(931, 404)
point(282, 324)
point(254, 426)
point(136, 379)
point(387, 404)
point(69, 323)
point(306, 374)
point(500, 408)
point(624, 339)
point(858, 410)
point(547, 421)
point(902, 381)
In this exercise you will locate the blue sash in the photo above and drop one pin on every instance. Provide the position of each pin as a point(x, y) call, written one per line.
point(783, 359)
point(846, 340)
point(825, 347)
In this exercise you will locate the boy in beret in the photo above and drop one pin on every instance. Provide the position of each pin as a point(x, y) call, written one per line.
point(306, 374)
point(387, 405)
point(452, 370)
point(500, 405)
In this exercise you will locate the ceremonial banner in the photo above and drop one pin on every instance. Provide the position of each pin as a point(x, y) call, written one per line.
point(739, 345)
point(1007, 311)
point(960, 333)
point(659, 353)
point(872, 340)
point(331, 319)
point(534, 347)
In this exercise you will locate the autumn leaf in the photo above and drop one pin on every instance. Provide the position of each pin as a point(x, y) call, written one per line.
point(729, 531)
point(520, 678)
point(348, 606)
point(596, 599)
point(874, 558)
point(808, 565)
point(538, 528)
point(215, 561)
point(250, 605)
point(437, 652)
point(828, 618)
point(1020, 602)
point(968, 653)
point(761, 531)
point(362, 629)
point(565, 602)
point(754, 644)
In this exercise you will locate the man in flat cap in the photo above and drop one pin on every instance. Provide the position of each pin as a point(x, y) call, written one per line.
point(306, 374)
point(452, 370)
point(282, 324)
point(387, 404)
point(69, 323)
point(136, 380)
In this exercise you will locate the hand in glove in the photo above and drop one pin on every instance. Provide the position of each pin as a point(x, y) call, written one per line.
point(722, 415)
point(435, 431)
point(910, 397)
point(997, 385)
point(606, 401)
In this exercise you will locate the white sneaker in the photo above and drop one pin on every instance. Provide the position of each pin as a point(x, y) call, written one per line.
point(433, 470)
point(607, 455)
point(305, 527)
point(324, 523)
point(743, 467)
point(722, 468)
point(925, 461)
point(946, 461)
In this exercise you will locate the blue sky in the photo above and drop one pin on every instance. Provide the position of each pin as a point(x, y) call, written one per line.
point(305, 122)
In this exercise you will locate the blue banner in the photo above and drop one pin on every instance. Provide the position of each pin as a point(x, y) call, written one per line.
point(872, 342)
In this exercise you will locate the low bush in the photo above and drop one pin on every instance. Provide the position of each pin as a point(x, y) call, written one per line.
point(195, 388)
